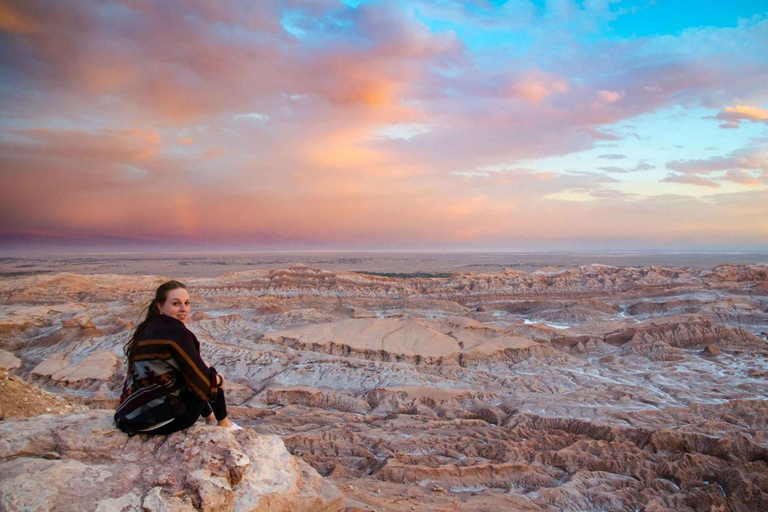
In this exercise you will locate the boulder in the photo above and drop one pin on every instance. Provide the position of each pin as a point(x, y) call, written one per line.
point(9, 361)
point(100, 365)
point(97, 467)
point(92, 371)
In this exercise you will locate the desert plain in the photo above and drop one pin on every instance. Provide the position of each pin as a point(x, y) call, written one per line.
point(434, 382)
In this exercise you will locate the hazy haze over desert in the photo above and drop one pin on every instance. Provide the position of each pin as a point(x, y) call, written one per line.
point(430, 263)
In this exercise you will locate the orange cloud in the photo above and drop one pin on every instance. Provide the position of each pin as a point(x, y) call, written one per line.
point(344, 155)
point(732, 116)
point(746, 112)
point(12, 21)
point(610, 96)
point(213, 154)
point(111, 145)
point(342, 149)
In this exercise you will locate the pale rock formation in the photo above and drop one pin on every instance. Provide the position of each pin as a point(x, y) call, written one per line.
point(93, 370)
point(51, 365)
point(454, 340)
point(9, 361)
point(97, 467)
point(409, 338)
point(101, 365)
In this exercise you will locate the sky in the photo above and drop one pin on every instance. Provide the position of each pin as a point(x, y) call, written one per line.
point(326, 124)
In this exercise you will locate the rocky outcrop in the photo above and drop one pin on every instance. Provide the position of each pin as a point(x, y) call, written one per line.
point(93, 370)
point(81, 462)
point(668, 339)
point(9, 361)
point(696, 332)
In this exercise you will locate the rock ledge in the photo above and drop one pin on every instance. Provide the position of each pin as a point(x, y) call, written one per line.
point(81, 462)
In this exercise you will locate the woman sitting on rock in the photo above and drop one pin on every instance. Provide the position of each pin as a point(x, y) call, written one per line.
point(167, 385)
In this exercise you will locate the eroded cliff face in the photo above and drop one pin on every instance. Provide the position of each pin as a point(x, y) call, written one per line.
point(594, 388)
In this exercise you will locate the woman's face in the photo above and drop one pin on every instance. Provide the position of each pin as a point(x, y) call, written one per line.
point(176, 304)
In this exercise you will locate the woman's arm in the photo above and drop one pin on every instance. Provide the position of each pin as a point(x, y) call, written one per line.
point(201, 379)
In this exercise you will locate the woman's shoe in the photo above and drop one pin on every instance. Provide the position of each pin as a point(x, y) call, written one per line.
point(234, 427)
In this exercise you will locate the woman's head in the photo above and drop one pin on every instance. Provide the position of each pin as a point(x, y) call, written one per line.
point(171, 299)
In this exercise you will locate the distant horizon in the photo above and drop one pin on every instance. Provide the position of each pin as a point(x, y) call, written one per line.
point(53, 250)
point(414, 263)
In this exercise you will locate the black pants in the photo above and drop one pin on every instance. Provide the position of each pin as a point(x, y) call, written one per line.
point(195, 409)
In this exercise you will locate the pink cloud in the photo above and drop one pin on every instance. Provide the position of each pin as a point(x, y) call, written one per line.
point(610, 96)
point(602, 135)
point(690, 179)
point(109, 145)
point(742, 177)
point(736, 168)
point(705, 166)
point(535, 86)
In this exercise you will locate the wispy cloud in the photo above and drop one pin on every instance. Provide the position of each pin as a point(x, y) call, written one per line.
point(738, 167)
point(691, 179)
point(252, 116)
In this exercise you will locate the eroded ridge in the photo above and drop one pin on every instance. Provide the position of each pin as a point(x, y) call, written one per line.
point(592, 388)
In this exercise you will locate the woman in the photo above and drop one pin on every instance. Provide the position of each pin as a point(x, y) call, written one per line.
point(167, 385)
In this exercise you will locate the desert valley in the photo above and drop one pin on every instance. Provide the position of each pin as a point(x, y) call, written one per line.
point(539, 386)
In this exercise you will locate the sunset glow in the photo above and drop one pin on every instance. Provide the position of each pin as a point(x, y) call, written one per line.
point(485, 125)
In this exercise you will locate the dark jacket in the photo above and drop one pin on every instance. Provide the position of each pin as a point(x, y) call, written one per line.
point(168, 374)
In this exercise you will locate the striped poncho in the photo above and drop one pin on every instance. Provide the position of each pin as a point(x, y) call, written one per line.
point(168, 376)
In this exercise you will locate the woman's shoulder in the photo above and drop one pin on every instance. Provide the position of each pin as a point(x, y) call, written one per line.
point(164, 327)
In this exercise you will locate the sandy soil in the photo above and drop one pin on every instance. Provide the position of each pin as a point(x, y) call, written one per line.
point(20, 399)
